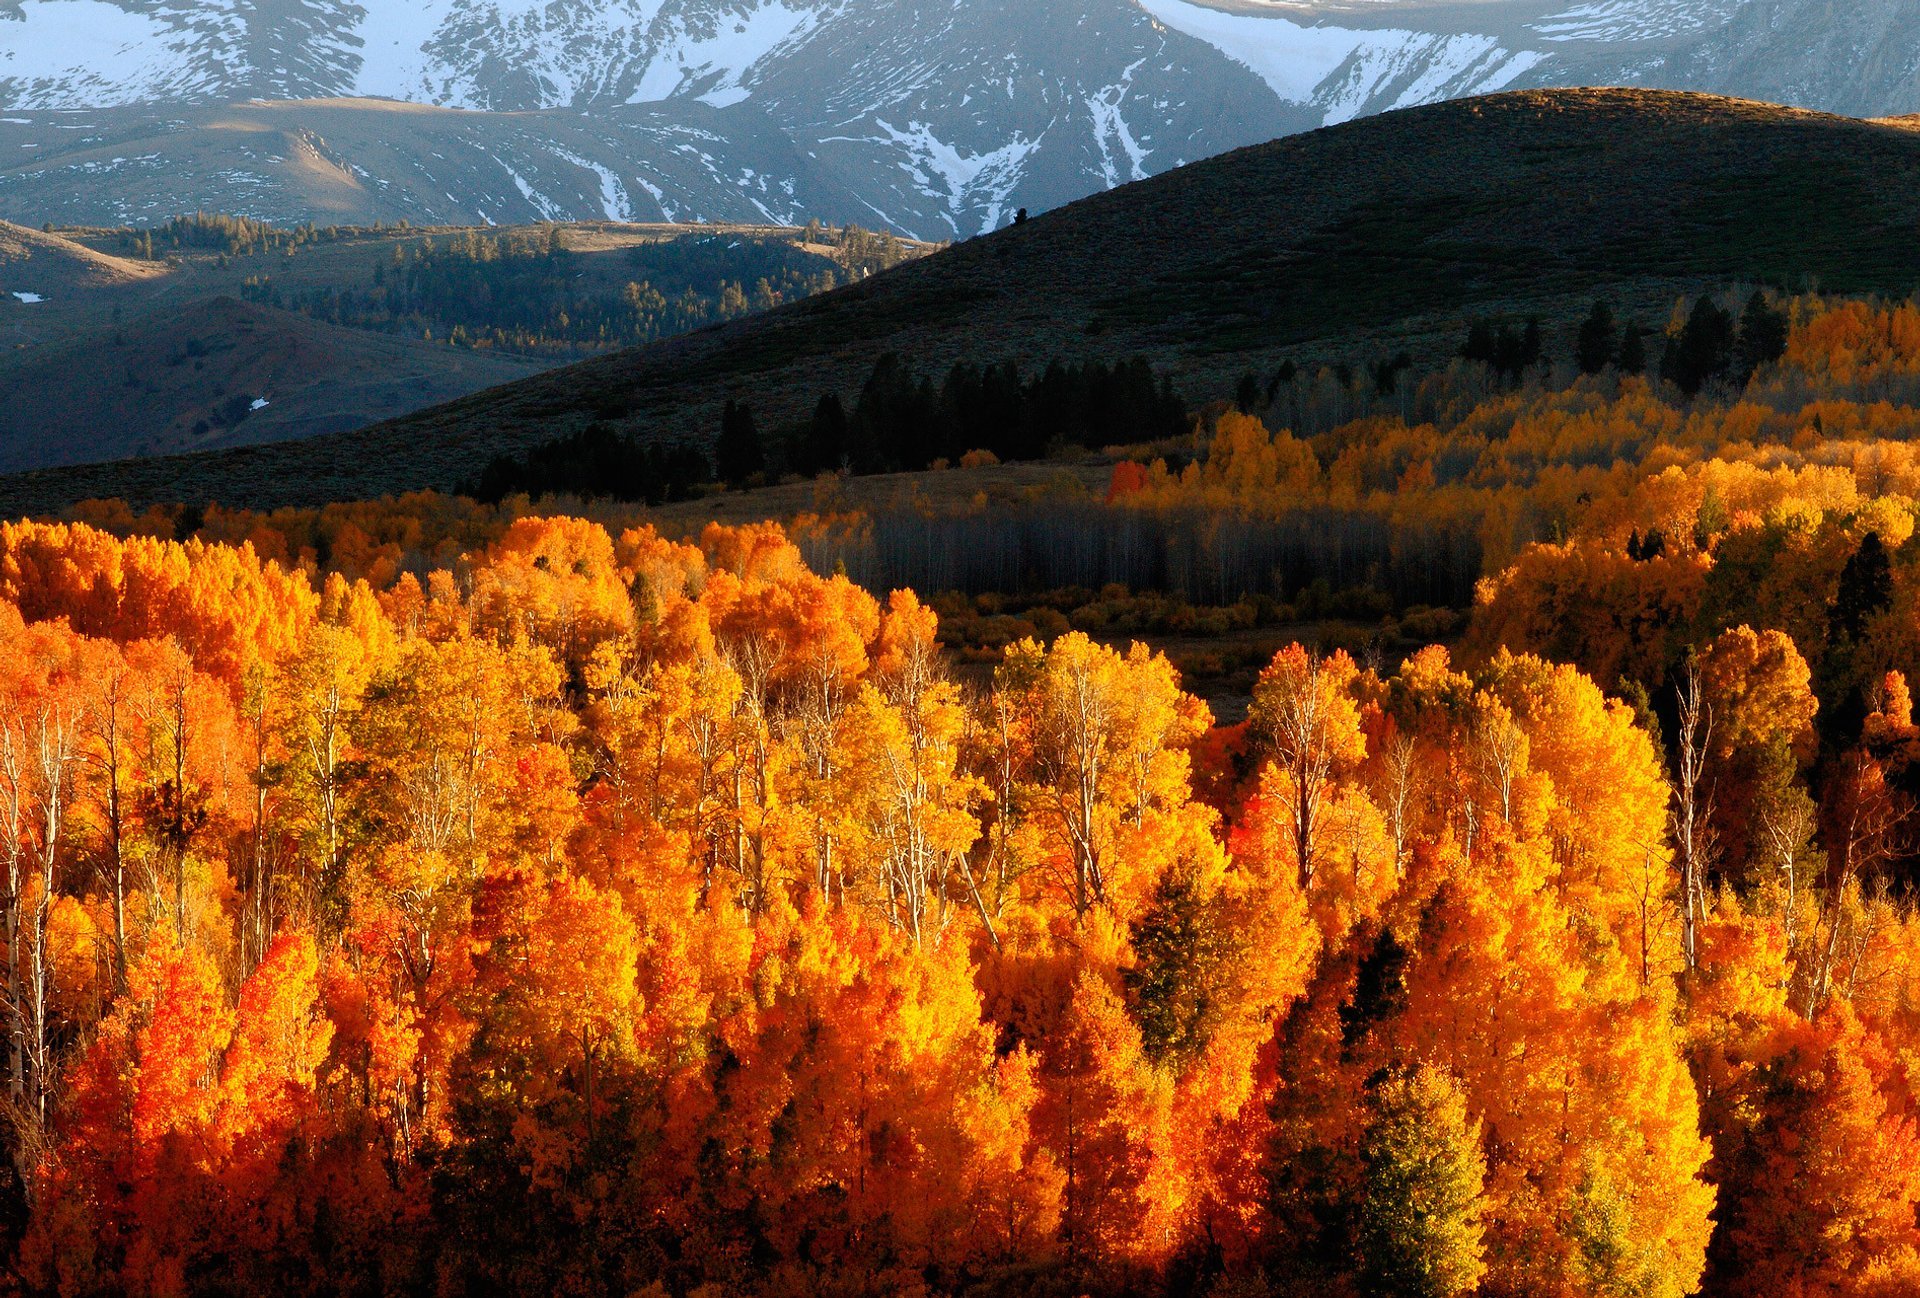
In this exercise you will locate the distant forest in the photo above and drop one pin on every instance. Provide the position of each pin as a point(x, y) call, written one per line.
point(526, 291)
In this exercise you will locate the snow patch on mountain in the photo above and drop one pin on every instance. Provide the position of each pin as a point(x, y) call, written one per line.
point(548, 209)
point(963, 179)
point(613, 195)
point(659, 196)
point(1294, 60)
point(1634, 20)
point(1419, 71)
point(70, 53)
point(1347, 71)
point(1111, 132)
point(719, 61)
point(393, 40)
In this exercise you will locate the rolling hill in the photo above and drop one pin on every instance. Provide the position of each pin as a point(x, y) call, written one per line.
point(221, 372)
point(222, 335)
point(40, 264)
point(1343, 244)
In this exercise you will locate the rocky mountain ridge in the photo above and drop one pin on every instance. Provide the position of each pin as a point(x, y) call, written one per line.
point(936, 118)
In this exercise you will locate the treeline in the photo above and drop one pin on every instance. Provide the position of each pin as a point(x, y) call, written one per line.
point(906, 420)
point(527, 291)
point(596, 462)
point(901, 420)
point(236, 236)
point(1707, 343)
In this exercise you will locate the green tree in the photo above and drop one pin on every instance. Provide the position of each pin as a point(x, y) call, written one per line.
point(1633, 350)
point(1594, 350)
point(1763, 337)
point(738, 454)
point(1420, 1231)
point(1185, 958)
point(1866, 588)
point(1703, 349)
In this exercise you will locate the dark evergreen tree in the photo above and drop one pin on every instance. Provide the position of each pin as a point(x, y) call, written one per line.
point(1703, 349)
point(1632, 358)
point(1598, 342)
point(1866, 588)
point(894, 422)
point(1844, 669)
point(596, 462)
point(1247, 395)
point(1379, 990)
point(902, 422)
point(1509, 352)
point(1181, 979)
point(737, 454)
point(1386, 373)
point(1481, 343)
point(827, 447)
point(1762, 340)
point(1281, 378)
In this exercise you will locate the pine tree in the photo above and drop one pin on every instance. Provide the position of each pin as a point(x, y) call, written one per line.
point(826, 448)
point(1184, 958)
point(1866, 588)
point(1420, 1234)
point(1763, 337)
point(1633, 350)
point(1703, 349)
point(1480, 345)
point(1598, 339)
point(738, 455)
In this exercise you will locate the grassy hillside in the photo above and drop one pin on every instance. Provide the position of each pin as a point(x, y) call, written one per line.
point(1345, 244)
point(220, 372)
point(41, 263)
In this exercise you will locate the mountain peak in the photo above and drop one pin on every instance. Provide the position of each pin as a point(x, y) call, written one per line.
point(933, 118)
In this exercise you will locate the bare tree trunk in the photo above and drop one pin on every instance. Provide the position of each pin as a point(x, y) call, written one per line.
point(1690, 830)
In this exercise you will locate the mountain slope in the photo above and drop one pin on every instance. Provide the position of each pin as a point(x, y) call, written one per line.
point(362, 161)
point(934, 117)
point(1351, 242)
point(930, 117)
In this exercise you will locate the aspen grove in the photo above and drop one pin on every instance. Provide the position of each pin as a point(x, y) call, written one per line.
point(612, 914)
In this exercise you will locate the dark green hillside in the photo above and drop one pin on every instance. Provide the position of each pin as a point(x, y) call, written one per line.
point(1349, 243)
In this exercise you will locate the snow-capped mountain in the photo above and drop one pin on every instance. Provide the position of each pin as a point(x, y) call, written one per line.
point(936, 117)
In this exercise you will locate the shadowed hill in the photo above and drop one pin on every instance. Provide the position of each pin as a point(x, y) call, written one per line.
point(46, 265)
point(220, 372)
point(1344, 243)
